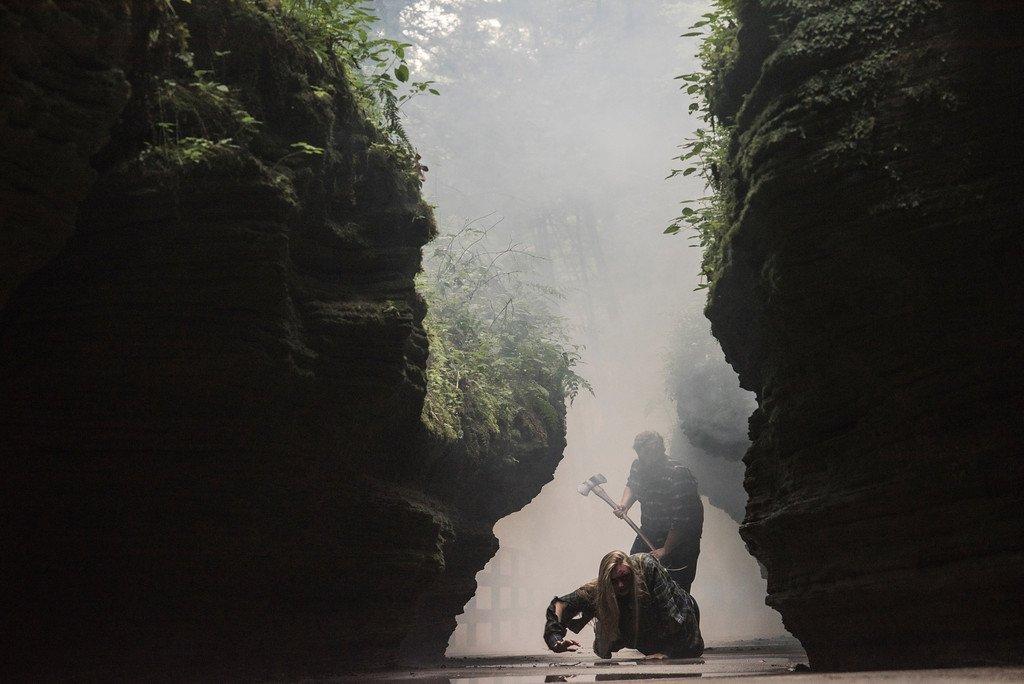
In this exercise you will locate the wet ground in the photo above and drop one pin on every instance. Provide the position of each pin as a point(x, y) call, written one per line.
point(784, 662)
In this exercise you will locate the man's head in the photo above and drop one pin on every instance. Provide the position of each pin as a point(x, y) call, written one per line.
point(649, 447)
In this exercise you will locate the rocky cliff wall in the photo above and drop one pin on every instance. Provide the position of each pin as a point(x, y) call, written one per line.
point(212, 357)
point(62, 93)
point(481, 481)
point(871, 297)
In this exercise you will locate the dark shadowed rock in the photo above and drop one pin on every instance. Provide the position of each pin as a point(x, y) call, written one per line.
point(210, 396)
point(872, 299)
point(478, 492)
point(63, 88)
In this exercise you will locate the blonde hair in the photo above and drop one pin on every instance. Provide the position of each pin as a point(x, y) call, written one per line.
point(606, 602)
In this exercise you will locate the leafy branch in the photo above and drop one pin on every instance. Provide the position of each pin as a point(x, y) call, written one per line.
point(378, 67)
point(705, 153)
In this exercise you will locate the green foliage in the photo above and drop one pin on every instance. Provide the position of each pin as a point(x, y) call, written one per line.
point(186, 150)
point(192, 106)
point(303, 147)
point(497, 352)
point(208, 102)
point(706, 152)
point(855, 45)
point(378, 67)
point(195, 114)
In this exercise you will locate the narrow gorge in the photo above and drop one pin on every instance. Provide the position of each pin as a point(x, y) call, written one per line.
point(294, 295)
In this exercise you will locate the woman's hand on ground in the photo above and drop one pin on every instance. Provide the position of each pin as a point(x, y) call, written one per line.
point(565, 645)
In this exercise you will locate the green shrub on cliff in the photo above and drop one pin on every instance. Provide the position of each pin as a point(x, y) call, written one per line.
point(856, 45)
point(378, 69)
point(497, 352)
point(705, 153)
point(194, 115)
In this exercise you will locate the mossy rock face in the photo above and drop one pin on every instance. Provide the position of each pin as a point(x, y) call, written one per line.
point(211, 378)
point(867, 296)
point(63, 86)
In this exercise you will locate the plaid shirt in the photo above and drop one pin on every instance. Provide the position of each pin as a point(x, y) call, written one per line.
point(669, 619)
point(667, 492)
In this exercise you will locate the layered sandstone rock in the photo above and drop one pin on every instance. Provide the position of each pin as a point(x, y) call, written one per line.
point(478, 491)
point(871, 297)
point(210, 397)
point(63, 90)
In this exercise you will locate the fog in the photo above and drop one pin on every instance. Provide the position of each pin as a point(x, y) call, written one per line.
point(558, 119)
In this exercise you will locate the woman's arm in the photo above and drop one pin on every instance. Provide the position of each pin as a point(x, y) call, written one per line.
point(554, 630)
point(572, 611)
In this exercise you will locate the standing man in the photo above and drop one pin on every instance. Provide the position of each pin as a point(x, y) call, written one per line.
point(671, 513)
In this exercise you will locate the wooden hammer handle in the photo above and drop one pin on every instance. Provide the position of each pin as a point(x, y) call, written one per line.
point(599, 490)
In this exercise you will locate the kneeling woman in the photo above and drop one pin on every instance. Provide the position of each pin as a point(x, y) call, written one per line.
point(637, 605)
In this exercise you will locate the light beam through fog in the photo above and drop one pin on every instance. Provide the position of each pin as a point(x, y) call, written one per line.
point(561, 120)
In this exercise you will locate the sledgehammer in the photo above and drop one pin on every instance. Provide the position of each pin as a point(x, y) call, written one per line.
point(594, 485)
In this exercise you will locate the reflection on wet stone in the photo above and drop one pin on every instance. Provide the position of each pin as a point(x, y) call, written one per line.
point(634, 676)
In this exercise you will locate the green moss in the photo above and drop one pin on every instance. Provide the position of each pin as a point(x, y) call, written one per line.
point(820, 27)
point(499, 369)
point(481, 384)
point(341, 32)
point(396, 156)
point(442, 408)
point(825, 56)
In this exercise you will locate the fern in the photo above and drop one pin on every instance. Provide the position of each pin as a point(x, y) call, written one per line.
point(497, 352)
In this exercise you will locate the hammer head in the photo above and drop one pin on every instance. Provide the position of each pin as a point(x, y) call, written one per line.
point(593, 481)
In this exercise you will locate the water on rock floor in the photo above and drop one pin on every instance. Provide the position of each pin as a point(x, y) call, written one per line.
point(784, 661)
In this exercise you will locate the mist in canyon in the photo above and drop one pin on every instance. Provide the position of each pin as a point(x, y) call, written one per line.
point(301, 306)
point(555, 130)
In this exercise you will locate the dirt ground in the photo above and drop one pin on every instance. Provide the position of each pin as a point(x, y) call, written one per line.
point(784, 661)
